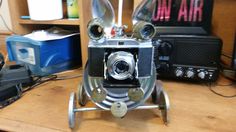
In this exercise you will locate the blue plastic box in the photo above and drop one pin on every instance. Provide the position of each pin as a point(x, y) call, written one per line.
point(45, 57)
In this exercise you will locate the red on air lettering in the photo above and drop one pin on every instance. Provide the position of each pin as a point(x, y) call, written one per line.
point(194, 13)
point(198, 10)
point(163, 10)
point(183, 11)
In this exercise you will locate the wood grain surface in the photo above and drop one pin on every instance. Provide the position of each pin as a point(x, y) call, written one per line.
point(193, 108)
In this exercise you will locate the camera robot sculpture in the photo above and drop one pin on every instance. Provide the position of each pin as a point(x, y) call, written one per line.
point(120, 74)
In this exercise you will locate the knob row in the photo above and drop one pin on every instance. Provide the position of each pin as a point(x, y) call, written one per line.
point(189, 73)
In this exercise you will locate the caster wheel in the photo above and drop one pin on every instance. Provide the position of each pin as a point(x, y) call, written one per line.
point(82, 97)
point(71, 112)
point(156, 92)
point(164, 106)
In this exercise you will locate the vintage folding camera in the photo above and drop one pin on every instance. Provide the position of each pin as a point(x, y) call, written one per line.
point(120, 60)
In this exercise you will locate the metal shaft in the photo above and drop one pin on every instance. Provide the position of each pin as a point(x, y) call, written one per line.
point(120, 8)
point(144, 107)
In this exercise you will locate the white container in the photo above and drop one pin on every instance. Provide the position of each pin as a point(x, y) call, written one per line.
point(44, 10)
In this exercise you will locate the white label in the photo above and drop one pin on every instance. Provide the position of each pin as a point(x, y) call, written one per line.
point(25, 54)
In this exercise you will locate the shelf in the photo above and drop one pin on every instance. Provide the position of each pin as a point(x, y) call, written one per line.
point(72, 22)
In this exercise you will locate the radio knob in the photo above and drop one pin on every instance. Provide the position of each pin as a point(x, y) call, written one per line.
point(165, 48)
point(190, 74)
point(179, 73)
point(201, 75)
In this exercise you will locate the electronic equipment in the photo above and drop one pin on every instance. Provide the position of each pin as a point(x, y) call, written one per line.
point(12, 78)
point(186, 57)
point(2, 62)
point(177, 16)
point(120, 74)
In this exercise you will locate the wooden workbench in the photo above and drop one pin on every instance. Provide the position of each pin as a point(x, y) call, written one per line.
point(193, 108)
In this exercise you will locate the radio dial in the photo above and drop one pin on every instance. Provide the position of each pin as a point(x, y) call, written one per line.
point(179, 73)
point(190, 74)
point(165, 48)
point(201, 75)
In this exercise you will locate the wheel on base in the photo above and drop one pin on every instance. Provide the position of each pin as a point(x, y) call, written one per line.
point(82, 97)
point(164, 106)
point(156, 92)
point(71, 113)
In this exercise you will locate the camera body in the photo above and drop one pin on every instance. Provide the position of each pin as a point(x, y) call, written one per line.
point(120, 61)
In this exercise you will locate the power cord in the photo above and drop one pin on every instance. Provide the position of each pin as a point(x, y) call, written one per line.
point(38, 80)
point(226, 72)
point(222, 85)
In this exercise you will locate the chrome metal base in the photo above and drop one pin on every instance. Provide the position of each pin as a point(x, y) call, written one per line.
point(163, 105)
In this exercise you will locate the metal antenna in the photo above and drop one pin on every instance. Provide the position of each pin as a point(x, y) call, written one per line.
point(120, 13)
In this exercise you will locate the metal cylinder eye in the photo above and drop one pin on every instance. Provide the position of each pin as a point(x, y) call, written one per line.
point(121, 65)
point(144, 30)
point(96, 29)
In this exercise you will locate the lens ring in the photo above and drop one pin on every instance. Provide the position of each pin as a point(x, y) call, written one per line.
point(121, 67)
point(144, 30)
point(126, 63)
point(96, 29)
point(147, 31)
point(96, 32)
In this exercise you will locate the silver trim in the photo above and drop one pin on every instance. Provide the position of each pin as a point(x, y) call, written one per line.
point(114, 95)
point(117, 57)
point(104, 10)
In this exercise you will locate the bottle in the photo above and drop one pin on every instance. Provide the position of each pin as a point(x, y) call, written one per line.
point(72, 9)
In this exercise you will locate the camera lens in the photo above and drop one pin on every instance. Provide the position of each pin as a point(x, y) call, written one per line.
point(121, 67)
point(147, 31)
point(96, 31)
point(143, 30)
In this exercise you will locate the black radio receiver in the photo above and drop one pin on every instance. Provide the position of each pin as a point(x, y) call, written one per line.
point(188, 57)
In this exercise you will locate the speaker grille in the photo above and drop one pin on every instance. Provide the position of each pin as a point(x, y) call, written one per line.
point(197, 52)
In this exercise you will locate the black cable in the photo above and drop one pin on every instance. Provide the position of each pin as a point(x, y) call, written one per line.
point(219, 94)
point(39, 80)
point(67, 77)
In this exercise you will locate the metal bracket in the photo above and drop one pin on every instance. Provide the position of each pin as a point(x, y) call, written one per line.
point(163, 106)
